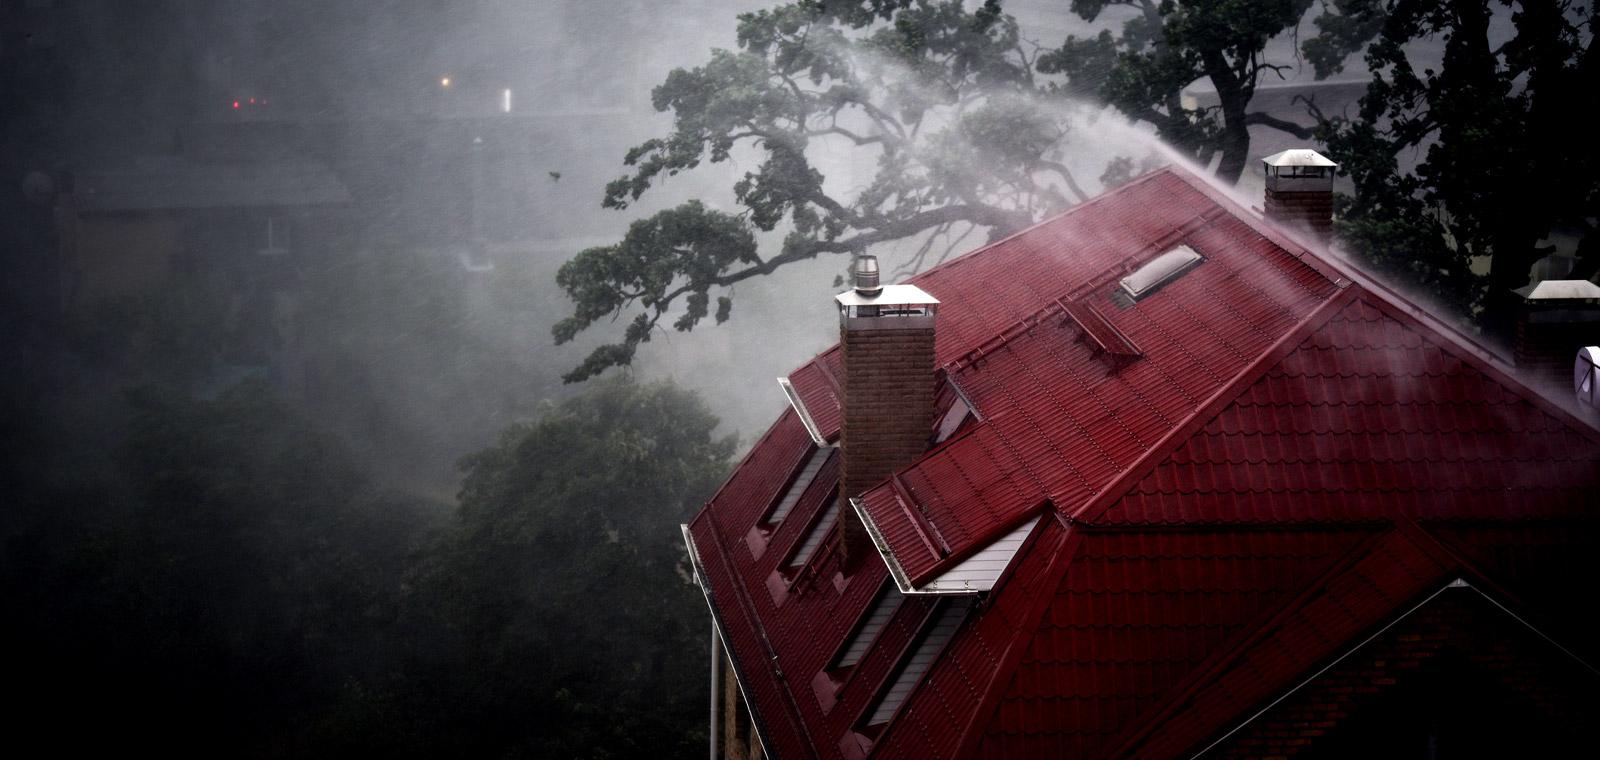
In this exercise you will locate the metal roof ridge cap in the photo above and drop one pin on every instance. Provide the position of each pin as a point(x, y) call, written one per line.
point(1291, 244)
point(1096, 506)
point(1139, 180)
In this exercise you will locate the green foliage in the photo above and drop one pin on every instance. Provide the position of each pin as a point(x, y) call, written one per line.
point(566, 579)
point(238, 563)
point(242, 586)
point(939, 98)
point(1507, 160)
point(1167, 46)
point(930, 95)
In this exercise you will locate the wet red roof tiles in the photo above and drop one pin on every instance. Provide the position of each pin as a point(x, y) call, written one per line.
point(1292, 459)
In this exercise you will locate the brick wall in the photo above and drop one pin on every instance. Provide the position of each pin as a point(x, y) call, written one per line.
point(888, 413)
point(1309, 211)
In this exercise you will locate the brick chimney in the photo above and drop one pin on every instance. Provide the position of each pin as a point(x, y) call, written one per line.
point(886, 337)
point(1557, 318)
point(1300, 191)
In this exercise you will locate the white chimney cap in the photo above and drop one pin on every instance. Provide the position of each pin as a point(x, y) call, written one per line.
point(1297, 157)
point(892, 295)
point(1559, 290)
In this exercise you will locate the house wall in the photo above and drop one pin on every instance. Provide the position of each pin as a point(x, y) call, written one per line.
point(736, 731)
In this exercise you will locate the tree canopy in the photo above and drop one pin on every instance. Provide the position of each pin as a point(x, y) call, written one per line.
point(1507, 162)
point(564, 582)
point(965, 123)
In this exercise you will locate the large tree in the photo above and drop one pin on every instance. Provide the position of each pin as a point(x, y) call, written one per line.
point(1507, 162)
point(1168, 46)
point(573, 628)
point(963, 121)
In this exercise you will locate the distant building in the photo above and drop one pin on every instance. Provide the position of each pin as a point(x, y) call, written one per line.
point(1154, 478)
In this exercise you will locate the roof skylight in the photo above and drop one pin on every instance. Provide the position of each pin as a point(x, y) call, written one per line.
point(874, 622)
point(814, 537)
point(798, 486)
point(944, 626)
point(1159, 271)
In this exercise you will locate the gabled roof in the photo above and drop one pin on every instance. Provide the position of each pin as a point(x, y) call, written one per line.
point(1270, 457)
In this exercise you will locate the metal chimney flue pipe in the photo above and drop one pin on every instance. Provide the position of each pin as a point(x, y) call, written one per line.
point(866, 275)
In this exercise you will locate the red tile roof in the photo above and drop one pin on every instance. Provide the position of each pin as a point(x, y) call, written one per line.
point(1293, 457)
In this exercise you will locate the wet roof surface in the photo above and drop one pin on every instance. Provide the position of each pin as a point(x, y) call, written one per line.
point(1288, 457)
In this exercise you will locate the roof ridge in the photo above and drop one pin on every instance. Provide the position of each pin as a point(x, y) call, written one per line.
point(1021, 636)
point(1251, 633)
point(1488, 365)
point(1097, 200)
point(1385, 296)
point(1211, 407)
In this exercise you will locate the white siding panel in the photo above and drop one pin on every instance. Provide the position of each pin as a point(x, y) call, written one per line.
point(980, 571)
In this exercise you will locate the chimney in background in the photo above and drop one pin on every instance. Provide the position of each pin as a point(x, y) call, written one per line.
point(886, 342)
point(1300, 191)
point(1557, 318)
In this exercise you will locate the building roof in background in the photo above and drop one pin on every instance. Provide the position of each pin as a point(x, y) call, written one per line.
point(1271, 458)
point(173, 183)
point(1559, 290)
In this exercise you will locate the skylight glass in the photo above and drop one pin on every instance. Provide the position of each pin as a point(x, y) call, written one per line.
point(798, 486)
point(876, 618)
point(814, 537)
point(1159, 271)
point(944, 626)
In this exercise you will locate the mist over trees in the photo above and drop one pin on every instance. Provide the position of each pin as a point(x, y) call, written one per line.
point(237, 584)
point(209, 549)
point(967, 121)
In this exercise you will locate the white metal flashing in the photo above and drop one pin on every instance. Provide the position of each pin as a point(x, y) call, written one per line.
point(975, 574)
point(800, 409)
point(1559, 290)
point(891, 295)
point(981, 571)
point(1297, 157)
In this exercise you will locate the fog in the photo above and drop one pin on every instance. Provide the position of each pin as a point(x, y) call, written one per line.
point(285, 433)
